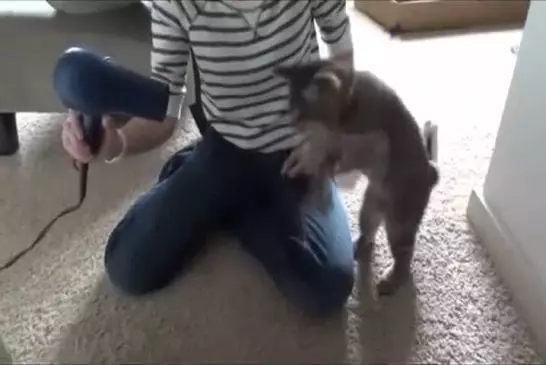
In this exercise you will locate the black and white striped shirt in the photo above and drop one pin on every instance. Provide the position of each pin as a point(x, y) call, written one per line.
point(237, 45)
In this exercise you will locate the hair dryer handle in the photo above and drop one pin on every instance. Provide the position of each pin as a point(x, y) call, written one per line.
point(93, 132)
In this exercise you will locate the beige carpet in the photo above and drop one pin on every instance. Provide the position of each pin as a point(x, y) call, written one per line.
point(56, 305)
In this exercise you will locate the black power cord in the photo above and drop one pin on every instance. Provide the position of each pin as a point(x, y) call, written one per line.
point(84, 170)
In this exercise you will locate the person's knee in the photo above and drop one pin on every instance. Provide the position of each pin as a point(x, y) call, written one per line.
point(124, 275)
point(327, 294)
point(128, 270)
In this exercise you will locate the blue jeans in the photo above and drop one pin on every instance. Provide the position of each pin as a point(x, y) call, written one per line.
point(216, 186)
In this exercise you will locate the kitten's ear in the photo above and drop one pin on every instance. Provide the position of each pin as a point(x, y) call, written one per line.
point(298, 75)
point(329, 79)
point(286, 72)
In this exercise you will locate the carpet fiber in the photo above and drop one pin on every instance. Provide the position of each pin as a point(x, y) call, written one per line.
point(57, 306)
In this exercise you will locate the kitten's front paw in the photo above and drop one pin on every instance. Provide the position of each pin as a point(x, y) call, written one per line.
point(392, 282)
point(363, 249)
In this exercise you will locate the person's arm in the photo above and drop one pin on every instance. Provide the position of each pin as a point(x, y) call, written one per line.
point(334, 25)
point(169, 59)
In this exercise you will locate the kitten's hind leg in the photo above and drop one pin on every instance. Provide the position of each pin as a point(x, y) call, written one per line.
point(401, 237)
point(402, 221)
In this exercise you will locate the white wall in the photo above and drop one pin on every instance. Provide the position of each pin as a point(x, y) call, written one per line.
point(515, 186)
point(508, 213)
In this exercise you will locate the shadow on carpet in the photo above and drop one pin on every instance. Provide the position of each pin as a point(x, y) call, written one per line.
point(223, 311)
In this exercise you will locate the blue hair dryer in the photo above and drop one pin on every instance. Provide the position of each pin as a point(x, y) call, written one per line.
point(95, 86)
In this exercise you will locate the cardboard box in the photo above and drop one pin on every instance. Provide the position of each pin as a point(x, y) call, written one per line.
point(403, 16)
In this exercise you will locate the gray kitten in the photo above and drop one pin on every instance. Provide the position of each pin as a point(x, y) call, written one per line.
point(355, 121)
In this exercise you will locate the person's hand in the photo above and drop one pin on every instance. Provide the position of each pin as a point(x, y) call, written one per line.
point(77, 148)
point(303, 160)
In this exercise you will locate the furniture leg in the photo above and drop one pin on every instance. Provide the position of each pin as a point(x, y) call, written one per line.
point(9, 138)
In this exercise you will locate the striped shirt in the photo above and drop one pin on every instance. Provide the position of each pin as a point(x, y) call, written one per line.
point(237, 46)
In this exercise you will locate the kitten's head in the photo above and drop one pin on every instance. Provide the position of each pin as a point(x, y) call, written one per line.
point(320, 90)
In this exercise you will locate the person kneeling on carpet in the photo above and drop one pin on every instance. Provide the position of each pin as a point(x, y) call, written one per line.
point(231, 179)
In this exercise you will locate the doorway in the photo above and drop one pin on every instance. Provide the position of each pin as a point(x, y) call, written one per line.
point(409, 16)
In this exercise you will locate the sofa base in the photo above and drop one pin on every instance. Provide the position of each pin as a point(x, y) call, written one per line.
point(9, 138)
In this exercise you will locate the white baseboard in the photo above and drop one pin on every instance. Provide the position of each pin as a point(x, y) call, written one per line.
point(512, 265)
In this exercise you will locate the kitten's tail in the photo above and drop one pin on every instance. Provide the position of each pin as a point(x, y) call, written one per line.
point(430, 138)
